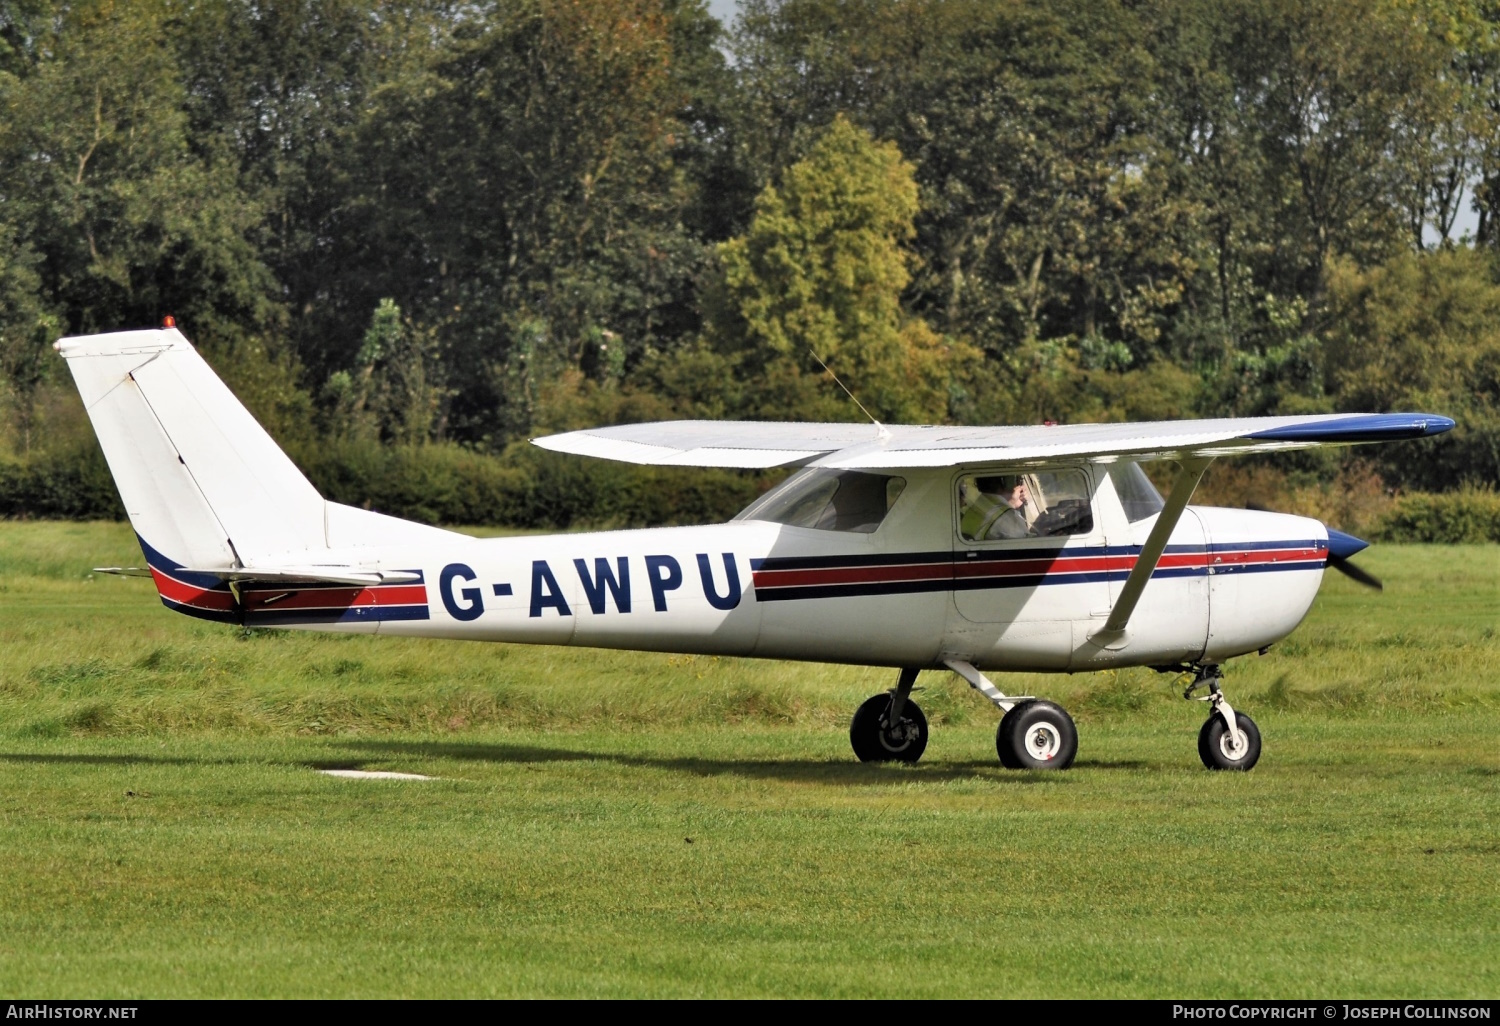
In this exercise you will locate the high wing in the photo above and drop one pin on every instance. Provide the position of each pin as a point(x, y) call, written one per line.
point(742, 444)
point(760, 444)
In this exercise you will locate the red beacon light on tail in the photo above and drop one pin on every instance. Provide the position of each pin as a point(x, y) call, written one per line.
point(169, 321)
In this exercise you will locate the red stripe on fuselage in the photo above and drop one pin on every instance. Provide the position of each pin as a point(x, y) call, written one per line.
point(189, 595)
point(1059, 564)
point(1249, 556)
point(273, 599)
point(852, 575)
point(255, 600)
point(1062, 563)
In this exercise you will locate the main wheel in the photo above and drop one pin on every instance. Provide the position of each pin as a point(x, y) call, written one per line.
point(875, 739)
point(1037, 735)
point(1217, 749)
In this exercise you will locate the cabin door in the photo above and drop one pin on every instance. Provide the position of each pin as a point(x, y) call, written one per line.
point(1029, 560)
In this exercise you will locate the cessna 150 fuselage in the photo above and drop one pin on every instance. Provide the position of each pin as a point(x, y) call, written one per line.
point(970, 549)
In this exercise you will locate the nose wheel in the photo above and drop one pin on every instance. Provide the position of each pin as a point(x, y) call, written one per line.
point(1220, 750)
point(1228, 740)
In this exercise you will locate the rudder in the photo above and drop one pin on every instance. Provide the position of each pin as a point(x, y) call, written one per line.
point(201, 480)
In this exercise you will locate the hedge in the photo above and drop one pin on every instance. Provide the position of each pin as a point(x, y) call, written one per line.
point(1469, 515)
point(69, 485)
point(434, 484)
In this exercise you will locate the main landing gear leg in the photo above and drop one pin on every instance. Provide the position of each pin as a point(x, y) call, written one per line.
point(1229, 740)
point(890, 727)
point(1033, 734)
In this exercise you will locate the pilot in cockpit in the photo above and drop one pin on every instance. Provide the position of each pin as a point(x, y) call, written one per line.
point(996, 507)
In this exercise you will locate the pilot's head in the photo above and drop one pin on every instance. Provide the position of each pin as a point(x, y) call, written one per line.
point(1009, 489)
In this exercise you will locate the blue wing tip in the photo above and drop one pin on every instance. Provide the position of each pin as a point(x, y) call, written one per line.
point(1372, 427)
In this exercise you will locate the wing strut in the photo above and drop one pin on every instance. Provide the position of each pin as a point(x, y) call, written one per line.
point(1189, 473)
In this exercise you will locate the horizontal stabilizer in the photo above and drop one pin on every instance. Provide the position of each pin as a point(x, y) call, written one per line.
point(282, 574)
point(307, 574)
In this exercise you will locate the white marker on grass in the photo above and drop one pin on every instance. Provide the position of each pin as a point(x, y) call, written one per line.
point(354, 774)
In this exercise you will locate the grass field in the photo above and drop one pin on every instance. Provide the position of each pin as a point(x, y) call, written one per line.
point(619, 824)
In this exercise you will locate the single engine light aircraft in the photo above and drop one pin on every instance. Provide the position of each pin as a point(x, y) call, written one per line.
point(1038, 548)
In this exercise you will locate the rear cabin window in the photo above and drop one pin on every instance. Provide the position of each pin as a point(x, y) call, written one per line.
point(1032, 504)
point(829, 500)
point(1138, 496)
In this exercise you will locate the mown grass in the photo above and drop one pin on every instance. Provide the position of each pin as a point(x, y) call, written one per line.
point(622, 824)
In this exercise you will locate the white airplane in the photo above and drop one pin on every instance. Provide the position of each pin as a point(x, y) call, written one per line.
point(1038, 548)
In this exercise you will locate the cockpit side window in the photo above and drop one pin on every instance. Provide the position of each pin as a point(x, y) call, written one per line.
point(829, 500)
point(1138, 496)
point(1031, 504)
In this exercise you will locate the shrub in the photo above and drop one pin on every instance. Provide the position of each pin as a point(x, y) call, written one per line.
point(430, 483)
point(71, 484)
point(522, 487)
point(434, 484)
point(1469, 515)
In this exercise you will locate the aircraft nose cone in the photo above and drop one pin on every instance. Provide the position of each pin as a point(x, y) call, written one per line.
point(1342, 546)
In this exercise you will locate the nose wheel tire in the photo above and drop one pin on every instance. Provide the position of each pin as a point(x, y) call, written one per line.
point(875, 739)
point(1037, 735)
point(1217, 749)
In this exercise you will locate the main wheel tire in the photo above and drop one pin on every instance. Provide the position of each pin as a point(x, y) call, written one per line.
point(1037, 735)
point(1217, 751)
point(876, 740)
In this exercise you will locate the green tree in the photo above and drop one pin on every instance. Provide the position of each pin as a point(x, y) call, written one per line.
point(1043, 215)
point(108, 218)
point(1297, 133)
point(519, 194)
point(1422, 332)
point(26, 331)
point(100, 183)
point(819, 276)
point(275, 89)
point(390, 394)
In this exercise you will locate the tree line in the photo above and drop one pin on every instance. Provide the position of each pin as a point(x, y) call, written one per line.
point(454, 225)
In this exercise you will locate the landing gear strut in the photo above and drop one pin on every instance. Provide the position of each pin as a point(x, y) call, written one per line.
point(890, 727)
point(1229, 740)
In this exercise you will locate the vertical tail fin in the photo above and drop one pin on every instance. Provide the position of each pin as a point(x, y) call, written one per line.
point(201, 480)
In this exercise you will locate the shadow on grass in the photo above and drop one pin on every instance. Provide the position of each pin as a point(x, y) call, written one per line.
point(792, 770)
point(1131, 765)
point(111, 760)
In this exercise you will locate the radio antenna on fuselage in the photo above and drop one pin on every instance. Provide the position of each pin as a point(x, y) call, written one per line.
point(880, 428)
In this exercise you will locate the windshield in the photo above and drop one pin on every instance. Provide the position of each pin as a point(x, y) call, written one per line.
point(1138, 496)
point(829, 500)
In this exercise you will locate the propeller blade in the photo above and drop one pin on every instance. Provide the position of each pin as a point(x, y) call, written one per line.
point(1349, 570)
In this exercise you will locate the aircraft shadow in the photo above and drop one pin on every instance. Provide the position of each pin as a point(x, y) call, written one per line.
point(791, 770)
point(110, 760)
